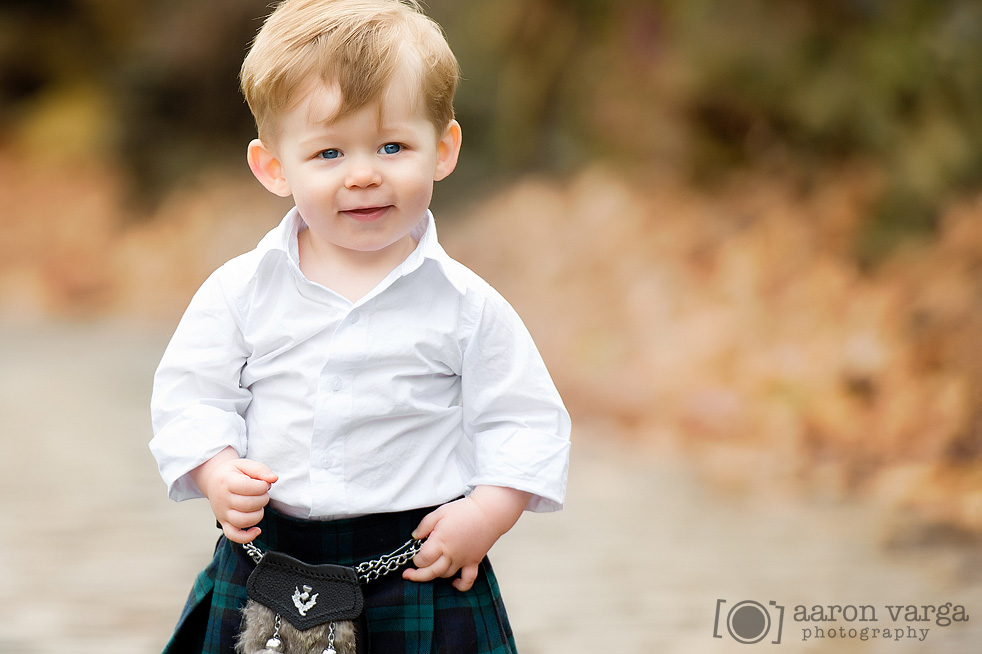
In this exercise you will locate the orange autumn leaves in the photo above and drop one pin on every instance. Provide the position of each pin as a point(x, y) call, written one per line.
point(735, 326)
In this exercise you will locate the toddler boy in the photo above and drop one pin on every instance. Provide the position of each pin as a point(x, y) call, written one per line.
point(346, 385)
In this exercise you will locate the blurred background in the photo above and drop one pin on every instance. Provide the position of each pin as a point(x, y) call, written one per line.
point(746, 235)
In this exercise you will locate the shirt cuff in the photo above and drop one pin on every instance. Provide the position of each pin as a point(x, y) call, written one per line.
point(527, 460)
point(191, 439)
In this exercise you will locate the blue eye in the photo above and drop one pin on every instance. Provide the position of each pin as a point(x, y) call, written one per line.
point(331, 153)
point(391, 148)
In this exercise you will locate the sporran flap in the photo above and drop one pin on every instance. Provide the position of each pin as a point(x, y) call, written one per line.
point(305, 595)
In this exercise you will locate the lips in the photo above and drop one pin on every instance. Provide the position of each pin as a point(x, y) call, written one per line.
point(367, 214)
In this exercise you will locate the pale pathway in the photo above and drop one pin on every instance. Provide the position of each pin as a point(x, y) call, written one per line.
point(96, 560)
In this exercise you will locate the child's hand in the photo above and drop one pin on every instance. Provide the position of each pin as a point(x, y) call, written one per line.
point(460, 534)
point(237, 489)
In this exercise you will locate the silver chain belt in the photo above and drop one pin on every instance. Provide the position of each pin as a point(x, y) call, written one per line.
point(368, 570)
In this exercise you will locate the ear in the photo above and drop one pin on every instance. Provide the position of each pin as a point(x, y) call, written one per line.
point(447, 151)
point(267, 169)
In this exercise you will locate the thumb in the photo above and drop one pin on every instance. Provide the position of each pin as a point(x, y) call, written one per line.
point(256, 470)
point(426, 525)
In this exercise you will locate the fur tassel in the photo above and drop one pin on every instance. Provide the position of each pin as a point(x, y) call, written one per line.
point(259, 623)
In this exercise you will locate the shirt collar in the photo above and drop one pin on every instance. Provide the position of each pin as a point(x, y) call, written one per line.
point(283, 239)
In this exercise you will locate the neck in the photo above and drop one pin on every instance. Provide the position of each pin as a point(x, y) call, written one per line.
point(350, 273)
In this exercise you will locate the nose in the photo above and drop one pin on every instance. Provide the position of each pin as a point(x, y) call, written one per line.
point(362, 172)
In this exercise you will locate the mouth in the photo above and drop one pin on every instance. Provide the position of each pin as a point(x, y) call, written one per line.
point(367, 214)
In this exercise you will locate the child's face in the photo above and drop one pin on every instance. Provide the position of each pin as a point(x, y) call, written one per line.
point(363, 182)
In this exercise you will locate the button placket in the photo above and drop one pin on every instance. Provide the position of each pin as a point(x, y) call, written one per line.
point(335, 399)
point(333, 409)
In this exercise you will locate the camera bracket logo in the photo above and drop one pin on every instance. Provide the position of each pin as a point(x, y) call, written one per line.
point(749, 622)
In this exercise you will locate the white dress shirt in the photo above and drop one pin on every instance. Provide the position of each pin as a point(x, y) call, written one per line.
point(422, 390)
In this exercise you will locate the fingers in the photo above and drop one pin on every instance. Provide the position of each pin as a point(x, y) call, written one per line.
point(245, 496)
point(256, 470)
point(468, 575)
point(426, 525)
point(245, 485)
point(431, 562)
point(441, 567)
point(246, 504)
point(239, 498)
point(241, 536)
point(425, 561)
point(244, 519)
point(450, 547)
point(240, 526)
point(428, 554)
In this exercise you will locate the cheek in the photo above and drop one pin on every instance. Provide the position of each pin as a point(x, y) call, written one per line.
point(315, 188)
point(413, 182)
point(419, 195)
point(311, 200)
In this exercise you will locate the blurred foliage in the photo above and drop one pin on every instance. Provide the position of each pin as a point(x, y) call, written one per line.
point(149, 87)
point(702, 86)
point(814, 83)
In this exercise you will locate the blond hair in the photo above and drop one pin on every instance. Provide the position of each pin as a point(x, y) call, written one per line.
point(358, 45)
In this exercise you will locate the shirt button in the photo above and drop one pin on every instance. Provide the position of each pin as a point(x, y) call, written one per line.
point(337, 384)
point(354, 317)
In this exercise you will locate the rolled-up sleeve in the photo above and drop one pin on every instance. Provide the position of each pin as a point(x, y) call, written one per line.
point(198, 402)
point(513, 413)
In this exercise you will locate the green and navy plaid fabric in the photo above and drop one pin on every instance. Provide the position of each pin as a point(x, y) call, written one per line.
point(402, 616)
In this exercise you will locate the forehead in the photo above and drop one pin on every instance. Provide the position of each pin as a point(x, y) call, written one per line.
point(322, 102)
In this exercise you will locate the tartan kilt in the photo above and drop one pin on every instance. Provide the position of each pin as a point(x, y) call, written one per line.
point(401, 616)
